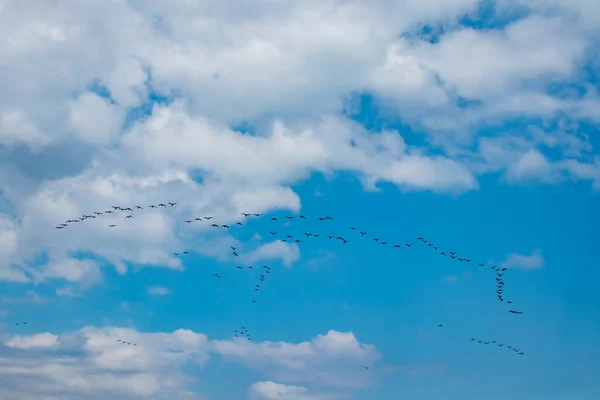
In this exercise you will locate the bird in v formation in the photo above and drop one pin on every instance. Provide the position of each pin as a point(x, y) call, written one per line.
point(450, 254)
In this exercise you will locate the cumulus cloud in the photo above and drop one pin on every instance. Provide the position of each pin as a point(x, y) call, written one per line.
point(92, 363)
point(294, 91)
point(40, 340)
point(532, 261)
point(336, 359)
point(287, 252)
point(105, 104)
point(95, 120)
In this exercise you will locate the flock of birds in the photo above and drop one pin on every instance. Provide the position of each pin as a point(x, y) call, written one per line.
point(513, 348)
point(265, 270)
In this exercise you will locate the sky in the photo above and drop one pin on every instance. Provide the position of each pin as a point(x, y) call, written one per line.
point(471, 124)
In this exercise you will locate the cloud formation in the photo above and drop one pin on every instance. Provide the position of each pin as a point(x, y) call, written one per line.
point(521, 261)
point(92, 363)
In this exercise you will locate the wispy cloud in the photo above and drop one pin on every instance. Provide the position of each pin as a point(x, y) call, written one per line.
point(451, 280)
point(532, 261)
point(158, 291)
point(30, 297)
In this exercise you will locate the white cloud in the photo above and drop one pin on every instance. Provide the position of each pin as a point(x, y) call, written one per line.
point(268, 390)
point(532, 261)
point(336, 359)
point(95, 120)
point(287, 252)
point(16, 128)
point(91, 363)
point(158, 291)
point(85, 272)
point(293, 91)
point(40, 340)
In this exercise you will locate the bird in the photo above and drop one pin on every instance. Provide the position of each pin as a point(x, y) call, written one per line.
point(440, 326)
point(185, 252)
point(363, 233)
point(172, 204)
point(198, 219)
point(129, 216)
point(274, 219)
point(245, 215)
point(207, 217)
point(224, 226)
point(290, 217)
point(352, 228)
point(189, 221)
point(112, 226)
point(273, 233)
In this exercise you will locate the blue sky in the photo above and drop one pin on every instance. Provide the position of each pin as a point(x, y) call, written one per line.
point(471, 124)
